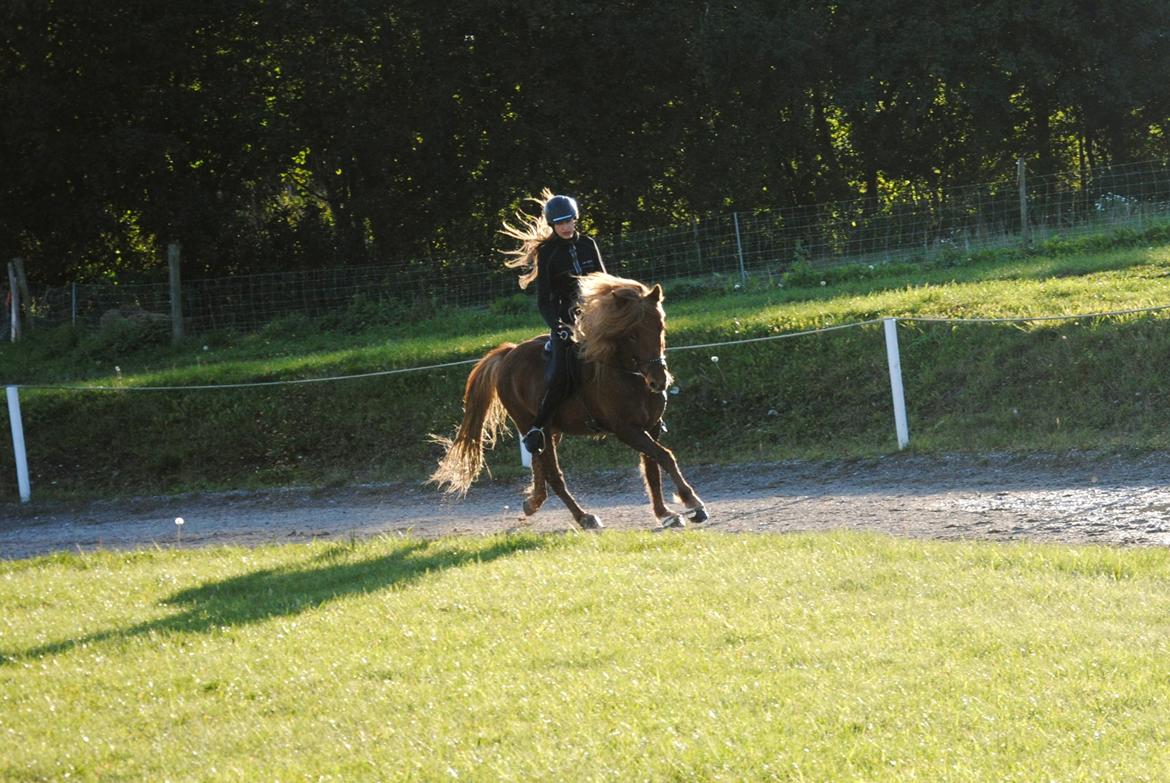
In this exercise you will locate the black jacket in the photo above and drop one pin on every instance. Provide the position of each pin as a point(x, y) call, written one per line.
point(559, 262)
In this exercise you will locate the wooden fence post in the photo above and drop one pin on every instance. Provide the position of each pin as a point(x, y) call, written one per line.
point(173, 252)
point(14, 301)
point(739, 250)
point(1022, 180)
point(698, 249)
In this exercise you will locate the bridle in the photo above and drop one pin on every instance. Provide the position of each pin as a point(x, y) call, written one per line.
point(644, 366)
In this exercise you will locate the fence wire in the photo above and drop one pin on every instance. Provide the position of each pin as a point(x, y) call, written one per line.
point(917, 225)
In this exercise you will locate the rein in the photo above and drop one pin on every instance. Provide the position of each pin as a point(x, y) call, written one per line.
point(642, 366)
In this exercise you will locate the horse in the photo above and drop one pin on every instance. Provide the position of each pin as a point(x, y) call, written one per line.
point(621, 387)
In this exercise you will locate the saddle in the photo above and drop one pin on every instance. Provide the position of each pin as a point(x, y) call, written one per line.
point(573, 379)
point(572, 371)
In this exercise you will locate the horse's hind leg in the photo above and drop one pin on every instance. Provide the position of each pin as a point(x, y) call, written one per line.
point(556, 480)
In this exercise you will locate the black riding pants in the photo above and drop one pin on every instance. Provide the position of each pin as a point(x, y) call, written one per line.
point(557, 377)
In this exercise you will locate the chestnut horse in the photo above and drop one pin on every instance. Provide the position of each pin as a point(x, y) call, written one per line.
point(620, 389)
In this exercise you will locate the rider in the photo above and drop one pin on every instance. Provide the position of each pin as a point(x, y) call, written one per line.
point(562, 255)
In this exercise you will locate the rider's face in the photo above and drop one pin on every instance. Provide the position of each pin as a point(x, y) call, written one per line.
point(566, 228)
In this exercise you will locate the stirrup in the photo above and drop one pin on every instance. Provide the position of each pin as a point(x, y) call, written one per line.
point(534, 441)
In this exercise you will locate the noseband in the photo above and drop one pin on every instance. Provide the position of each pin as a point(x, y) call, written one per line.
point(645, 365)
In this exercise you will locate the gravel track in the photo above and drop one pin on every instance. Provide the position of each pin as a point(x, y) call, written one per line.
point(1081, 498)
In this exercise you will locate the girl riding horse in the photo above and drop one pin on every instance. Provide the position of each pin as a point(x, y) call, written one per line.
point(620, 332)
point(554, 254)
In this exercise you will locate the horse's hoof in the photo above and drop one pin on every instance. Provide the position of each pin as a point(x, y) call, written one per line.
point(529, 509)
point(590, 522)
point(673, 522)
point(699, 515)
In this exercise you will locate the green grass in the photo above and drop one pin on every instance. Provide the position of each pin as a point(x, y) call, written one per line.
point(1045, 386)
point(620, 657)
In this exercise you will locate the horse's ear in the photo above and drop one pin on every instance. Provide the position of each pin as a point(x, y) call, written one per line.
point(655, 294)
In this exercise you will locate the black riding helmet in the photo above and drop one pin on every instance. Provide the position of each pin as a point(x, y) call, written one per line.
point(558, 209)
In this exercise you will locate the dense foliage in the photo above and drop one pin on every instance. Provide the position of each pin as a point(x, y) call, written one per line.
point(283, 133)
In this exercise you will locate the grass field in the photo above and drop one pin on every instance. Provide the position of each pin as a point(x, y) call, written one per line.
point(626, 656)
point(621, 657)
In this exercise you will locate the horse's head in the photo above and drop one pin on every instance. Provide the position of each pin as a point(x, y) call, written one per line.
point(646, 343)
point(622, 325)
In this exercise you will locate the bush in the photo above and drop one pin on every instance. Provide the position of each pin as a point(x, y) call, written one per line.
point(55, 342)
point(682, 290)
point(803, 274)
point(122, 337)
point(363, 313)
point(1097, 243)
point(516, 304)
point(293, 326)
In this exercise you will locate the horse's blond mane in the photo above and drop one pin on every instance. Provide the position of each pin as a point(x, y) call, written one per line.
point(611, 307)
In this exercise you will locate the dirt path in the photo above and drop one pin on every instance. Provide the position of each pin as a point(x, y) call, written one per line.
point(1078, 499)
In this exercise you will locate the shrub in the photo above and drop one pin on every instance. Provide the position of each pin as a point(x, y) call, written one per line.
point(1097, 243)
point(362, 313)
point(682, 290)
point(292, 326)
point(122, 337)
point(515, 304)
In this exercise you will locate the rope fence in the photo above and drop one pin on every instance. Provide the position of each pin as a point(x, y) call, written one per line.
point(670, 349)
point(891, 343)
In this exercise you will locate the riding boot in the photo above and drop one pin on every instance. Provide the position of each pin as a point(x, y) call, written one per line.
point(534, 438)
point(555, 392)
point(534, 441)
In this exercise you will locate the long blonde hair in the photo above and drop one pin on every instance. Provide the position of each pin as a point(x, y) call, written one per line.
point(530, 232)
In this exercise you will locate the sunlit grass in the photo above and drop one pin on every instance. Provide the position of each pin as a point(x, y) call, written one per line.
point(621, 657)
point(1019, 287)
point(1083, 384)
point(1121, 280)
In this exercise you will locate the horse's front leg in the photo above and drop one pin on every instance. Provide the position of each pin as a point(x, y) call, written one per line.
point(652, 476)
point(654, 453)
point(538, 492)
point(556, 480)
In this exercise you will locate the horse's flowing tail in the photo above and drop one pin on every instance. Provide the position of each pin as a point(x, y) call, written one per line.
point(483, 419)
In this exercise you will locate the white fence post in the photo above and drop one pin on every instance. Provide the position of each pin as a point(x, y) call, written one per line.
point(525, 457)
point(895, 362)
point(18, 444)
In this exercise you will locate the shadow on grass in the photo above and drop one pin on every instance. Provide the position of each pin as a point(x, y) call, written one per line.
point(262, 595)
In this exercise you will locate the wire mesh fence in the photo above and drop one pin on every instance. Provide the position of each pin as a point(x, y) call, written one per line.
point(913, 225)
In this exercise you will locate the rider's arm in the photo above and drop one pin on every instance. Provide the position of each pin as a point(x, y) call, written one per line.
point(546, 297)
